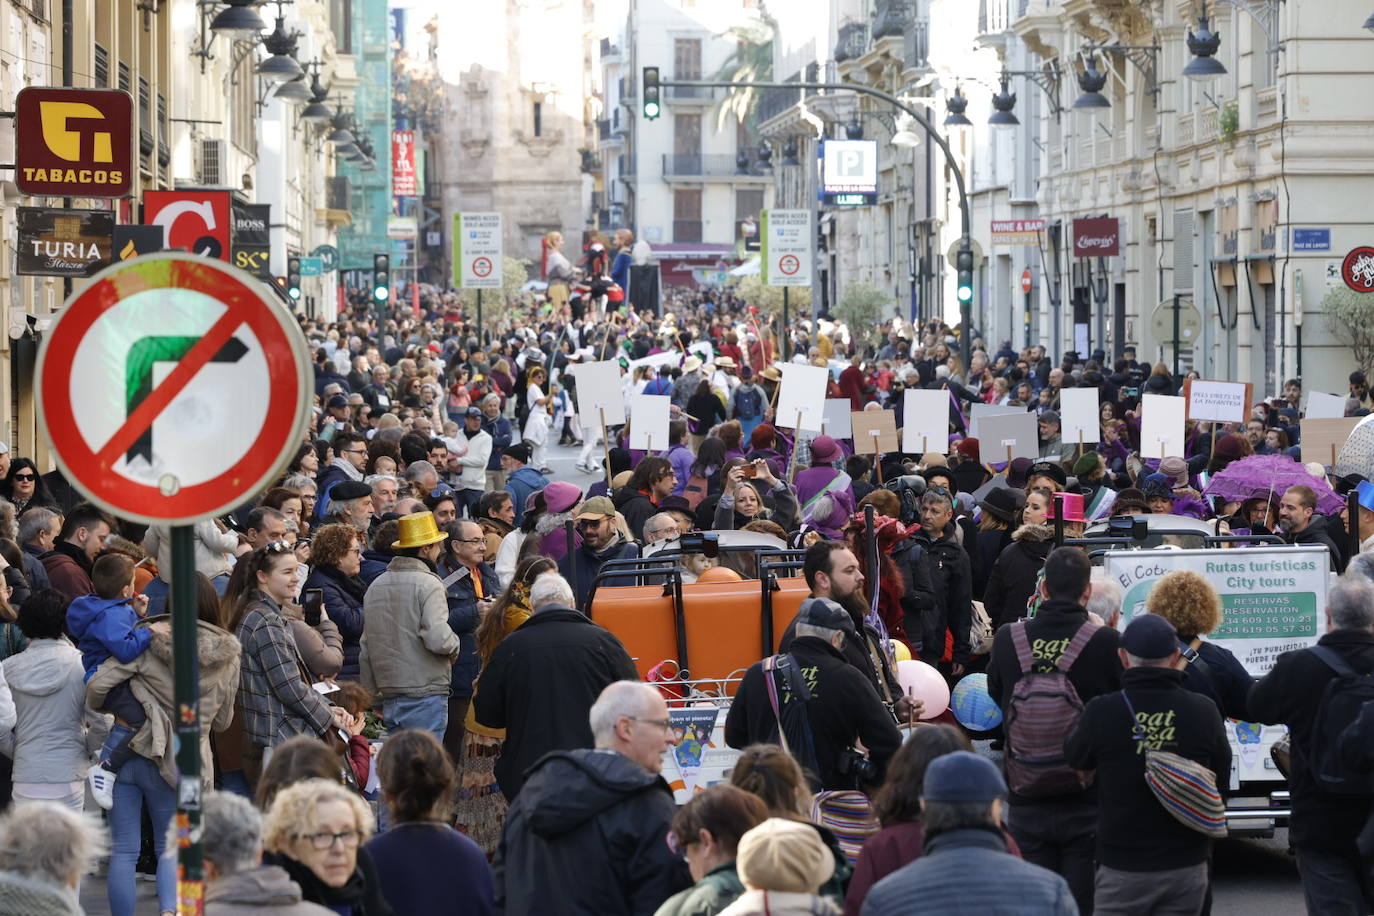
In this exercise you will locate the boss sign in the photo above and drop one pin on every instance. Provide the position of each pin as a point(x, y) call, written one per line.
point(74, 142)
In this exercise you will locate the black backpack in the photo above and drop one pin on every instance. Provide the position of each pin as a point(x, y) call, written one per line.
point(1340, 705)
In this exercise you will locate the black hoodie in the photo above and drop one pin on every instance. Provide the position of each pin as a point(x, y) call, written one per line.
point(587, 834)
point(1317, 532)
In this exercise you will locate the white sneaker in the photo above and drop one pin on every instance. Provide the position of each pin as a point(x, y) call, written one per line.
point(102, 783)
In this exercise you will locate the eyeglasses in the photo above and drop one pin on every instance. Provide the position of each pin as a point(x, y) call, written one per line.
point(355, 451)
point(665, 724)
point(25, 477)
point(468, 540)
point(325, 840)
point(588, 522)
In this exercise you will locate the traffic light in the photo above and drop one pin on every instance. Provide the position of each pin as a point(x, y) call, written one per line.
point(381, 277)
point(964, 264)
point(293, 277)
point(653, 94)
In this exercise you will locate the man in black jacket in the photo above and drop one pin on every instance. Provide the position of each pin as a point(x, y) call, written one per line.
point(595, 520)
point(1324, 826)
point(1057, 831)
point(951, 577)
point(1147, 860)
point(471, 587)
point(841, 705)
point(544, 677)
point(1300, 524)
point(588, 834)
point(832, 571)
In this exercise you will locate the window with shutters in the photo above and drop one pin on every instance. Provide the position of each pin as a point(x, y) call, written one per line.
point(687, 216)
point(102, 68)
point(124, 79)
point(1183, 251)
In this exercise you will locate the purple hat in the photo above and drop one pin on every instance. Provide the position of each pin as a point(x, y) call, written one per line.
point(824, 449)
point(560, 496)
point(1018, 472)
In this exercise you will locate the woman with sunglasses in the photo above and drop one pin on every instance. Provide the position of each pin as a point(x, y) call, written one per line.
point(24, 487)
point(276, 699)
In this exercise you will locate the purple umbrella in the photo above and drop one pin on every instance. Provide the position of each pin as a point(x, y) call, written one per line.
point(1263, 475)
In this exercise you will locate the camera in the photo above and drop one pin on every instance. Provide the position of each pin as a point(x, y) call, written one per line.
point(856, 767)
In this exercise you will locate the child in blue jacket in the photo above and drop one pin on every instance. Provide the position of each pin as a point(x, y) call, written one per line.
point(105, 625)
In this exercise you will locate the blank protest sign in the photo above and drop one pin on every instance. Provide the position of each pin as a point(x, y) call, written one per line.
point(801, 402)
point(649, 421)
point(1009, 436)
point(598, 389)
point(925, 420)
point(875, 431)
point(836, 419)
point(1161, 426)
point(1078, 417)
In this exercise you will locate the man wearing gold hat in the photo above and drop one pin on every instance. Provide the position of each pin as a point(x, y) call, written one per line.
point(408, 648)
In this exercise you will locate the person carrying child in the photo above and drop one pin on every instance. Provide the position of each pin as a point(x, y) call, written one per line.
point(104, 625)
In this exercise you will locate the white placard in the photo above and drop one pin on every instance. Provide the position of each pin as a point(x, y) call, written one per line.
point(599, 388)
point(801, 402)
point(1018, 432)
point(1220, 402)
point(978, 411)
point(1078, 416)
point(649, 421)
point(925, 420)
point(836, 418)
point(668, 358)
point(1161, 426)
point(786, 239)
point(477, 250)
point(1323, 406)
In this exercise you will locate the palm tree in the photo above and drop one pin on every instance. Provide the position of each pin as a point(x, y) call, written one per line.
point(751, 61)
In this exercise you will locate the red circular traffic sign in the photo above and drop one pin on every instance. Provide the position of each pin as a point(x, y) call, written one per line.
point(481, 267)
point(789, 264)
point(227, 413)
point(1026, 280)
point(1357, 270)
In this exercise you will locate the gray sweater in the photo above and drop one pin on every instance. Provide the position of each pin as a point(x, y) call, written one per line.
point(54, 734)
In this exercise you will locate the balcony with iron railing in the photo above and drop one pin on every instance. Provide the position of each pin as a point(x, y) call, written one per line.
point(851, 41)
point(712, 165)
point(608, 50)
point(689, 93)
point(603, 129)
point(995, 16)
point(773, 102)
point(916, 45)
point(890, 18)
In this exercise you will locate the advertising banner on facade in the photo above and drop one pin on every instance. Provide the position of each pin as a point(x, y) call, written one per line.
point(1273, 599)
point(74, 142)
point(64, 243)
point(1096, 237)
point(403, 178)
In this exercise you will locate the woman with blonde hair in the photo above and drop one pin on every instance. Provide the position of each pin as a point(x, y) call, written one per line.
point(1188, 601)
point(557, 270)
point(314, 830)
point(536, 431)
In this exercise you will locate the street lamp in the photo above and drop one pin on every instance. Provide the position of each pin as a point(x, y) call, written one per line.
point(1090, 82)
point(905, 136)
point(1003, 102)
point(317, 112)
point(238, 20)
point(281, 66)
point(765, 163)
point(294, 91)
point(854, 130)
point(1204, 66)
point(340, 134)
point(955, 105)
point(789, 152)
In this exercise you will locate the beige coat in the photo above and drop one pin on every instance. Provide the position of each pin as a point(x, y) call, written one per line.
point(321, 646)
point(150, 676)
point(408, 648)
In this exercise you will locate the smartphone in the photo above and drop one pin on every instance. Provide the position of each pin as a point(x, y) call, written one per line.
point(312, 601)
point(749, 471)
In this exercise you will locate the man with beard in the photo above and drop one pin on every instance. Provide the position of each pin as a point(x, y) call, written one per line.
point(1300, 524)
point(832, 571)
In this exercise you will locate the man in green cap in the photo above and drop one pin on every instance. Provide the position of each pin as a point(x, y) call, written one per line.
point(601, 541)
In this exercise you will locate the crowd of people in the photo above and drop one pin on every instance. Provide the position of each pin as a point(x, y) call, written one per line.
point(406, 708)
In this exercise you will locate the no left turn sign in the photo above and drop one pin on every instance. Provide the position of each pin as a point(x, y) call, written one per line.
point(172, 388)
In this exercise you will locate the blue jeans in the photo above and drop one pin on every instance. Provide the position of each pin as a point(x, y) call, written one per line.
point(139, 782)
point(429, 713)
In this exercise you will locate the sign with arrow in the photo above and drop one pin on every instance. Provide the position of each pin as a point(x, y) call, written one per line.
point(185, 422)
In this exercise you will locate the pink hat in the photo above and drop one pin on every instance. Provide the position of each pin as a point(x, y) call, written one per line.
point(824, 449)
point(560, 496)
point(1073, 507)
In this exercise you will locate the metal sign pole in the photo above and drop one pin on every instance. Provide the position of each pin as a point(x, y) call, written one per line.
point(186, 692)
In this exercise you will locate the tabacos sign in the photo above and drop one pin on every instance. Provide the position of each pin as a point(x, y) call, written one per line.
point(1096, 237)
point(74, 142)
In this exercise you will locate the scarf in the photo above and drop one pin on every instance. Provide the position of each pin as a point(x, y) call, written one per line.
point(349, 470)
point(353, 897)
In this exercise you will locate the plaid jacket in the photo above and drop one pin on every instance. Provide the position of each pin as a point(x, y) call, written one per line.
point(274, 694)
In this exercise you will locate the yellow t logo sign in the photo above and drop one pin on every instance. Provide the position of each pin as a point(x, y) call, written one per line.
point(65, 143)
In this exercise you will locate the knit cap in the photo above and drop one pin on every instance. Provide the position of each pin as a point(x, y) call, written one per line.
point(784, 855)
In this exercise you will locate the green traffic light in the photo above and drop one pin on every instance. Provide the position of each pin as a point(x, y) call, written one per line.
point(381, 294)
point(965, 294)
point(294, 292)
point(651, 110)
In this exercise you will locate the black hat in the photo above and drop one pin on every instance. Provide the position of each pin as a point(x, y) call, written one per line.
point(345, 490)
point(948, 473)
point(822, 612)
point(1130, 501)
point(1150, 636)
point(1003, 503)
point(519, 451)
point(336, 401)
point(676, 503)
point(1051, 469)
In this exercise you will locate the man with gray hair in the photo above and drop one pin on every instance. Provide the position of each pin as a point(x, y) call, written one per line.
point(422, 478)
point(1105, 600)
point(659, 527)
point(819, 692)
point(38, 530)
point(237, 883)
point(1325, 824)
point(543, 679)
point(602, 817)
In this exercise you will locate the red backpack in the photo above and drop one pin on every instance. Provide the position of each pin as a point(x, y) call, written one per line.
point(1044, 708)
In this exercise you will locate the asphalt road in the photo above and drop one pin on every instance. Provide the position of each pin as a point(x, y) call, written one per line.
point(1252, 877)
